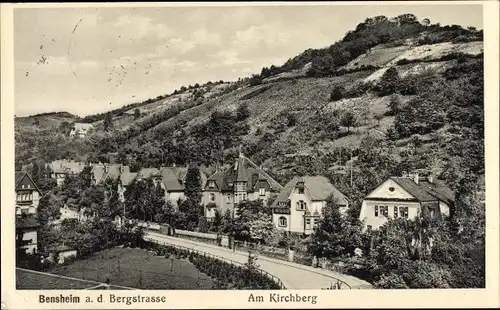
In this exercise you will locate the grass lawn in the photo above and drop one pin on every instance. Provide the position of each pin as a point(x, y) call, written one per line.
point(36, 281)
point(137, 268)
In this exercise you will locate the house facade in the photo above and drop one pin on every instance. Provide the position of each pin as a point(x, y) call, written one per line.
point(80, 130)
point(244, 180)
point(298, 207)
point(405, 197)
point(173, 181)
point(62, 168)
point(27, 199)
point(100, 172)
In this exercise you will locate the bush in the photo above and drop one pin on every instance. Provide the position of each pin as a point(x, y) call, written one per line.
point(391, 281)
point(389, 82)
point(227, 276)
point(337, 93)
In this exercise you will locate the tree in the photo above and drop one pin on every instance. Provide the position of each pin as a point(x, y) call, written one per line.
point(112, 204)
point(255, 80)
point(49, 208)
point(137, 113)
point(394, 105)
point(348, 120)
point(389, 82)
point(262, 229)
point(108, 122)
point(333, 236)
point(242, 112)
point(337, 93)
point(192, 185)
point(203, 224)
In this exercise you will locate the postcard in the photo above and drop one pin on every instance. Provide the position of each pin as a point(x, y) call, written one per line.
point(227, 155)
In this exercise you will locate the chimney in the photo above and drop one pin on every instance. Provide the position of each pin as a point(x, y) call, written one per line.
point(430, 178)
point(416, 178)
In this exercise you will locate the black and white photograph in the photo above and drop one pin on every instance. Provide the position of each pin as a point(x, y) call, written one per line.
point(249, 147)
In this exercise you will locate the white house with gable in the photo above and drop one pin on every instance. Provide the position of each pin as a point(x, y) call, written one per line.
point(297, 209)
point(406, 197)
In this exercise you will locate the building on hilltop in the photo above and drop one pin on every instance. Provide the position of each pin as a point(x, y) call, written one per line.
point(244, 180)
point(80, 130)
point(298, 207)
point(406, 197)
point(27, 199)
point(62, 168)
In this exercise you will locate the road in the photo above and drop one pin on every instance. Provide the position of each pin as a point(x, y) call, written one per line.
point(293, 276)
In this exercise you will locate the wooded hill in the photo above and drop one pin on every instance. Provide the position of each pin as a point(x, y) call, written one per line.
point(395, 94)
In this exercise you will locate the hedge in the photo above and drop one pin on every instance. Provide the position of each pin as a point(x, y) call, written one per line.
point(225, 274)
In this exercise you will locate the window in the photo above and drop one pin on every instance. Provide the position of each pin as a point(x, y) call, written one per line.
point(244, 196)
point(384, 211)
point(403, 212)
point(391, 189)
point(301, 205)
point(395, 212)
point(316, 221)
point(369, 227)
point(228, 198)
point(262, 191)
point(301, 190)
point(212, 197)
point(282, 221)
point(308, 223)
point(376, 210)
point(211, 184)
point(18, 210)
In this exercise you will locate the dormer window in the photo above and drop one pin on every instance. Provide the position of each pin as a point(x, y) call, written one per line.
point(262, 191)
point(300, 187)
point(211, 184)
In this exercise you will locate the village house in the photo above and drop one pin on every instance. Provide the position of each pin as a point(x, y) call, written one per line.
point(173, 181)
point(62, 168)
point(80, 130)
point(100, 172)
point(61, 253)
point(125, 179)
point(298, 207)
point(244, 180)
point(27, 199)
point(406, 197)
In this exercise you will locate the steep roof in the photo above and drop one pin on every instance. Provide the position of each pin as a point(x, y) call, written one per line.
point(66, 166)
point(318, 188)
point(113, 171)
point(145, 173)
point(243, 170)
point(426, 191)
point(173, 178)
point(127, 177)
point(20, 176)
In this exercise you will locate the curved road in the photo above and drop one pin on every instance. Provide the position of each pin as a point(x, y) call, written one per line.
point(293, 276)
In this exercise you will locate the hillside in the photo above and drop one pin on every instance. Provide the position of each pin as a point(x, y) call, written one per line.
point(394, 94)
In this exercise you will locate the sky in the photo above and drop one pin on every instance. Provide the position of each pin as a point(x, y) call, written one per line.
point(94, 59)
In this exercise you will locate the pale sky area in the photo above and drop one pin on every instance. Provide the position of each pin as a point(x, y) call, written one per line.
point(90, 60)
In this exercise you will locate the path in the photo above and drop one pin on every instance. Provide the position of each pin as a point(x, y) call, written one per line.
point(293, 275)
